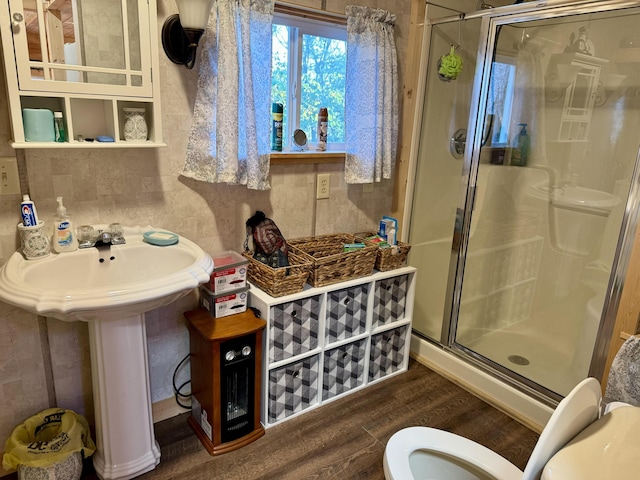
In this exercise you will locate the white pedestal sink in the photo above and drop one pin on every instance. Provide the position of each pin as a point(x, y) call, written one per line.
point(111, 289)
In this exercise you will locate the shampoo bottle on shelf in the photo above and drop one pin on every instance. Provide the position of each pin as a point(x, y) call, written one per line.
point(520, 154)
point(64, 237)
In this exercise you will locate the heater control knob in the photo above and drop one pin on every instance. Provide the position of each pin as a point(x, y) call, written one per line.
point(230, 355)
point(246, 350)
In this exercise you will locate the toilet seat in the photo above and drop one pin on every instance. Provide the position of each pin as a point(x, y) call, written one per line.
point(446, 456)
point(609, 448)
point(459, 450)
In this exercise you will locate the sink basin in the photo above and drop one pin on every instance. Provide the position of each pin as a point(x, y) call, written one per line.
point(577, 215)
point(111, 288)
point(576, 197)
point(89, 283)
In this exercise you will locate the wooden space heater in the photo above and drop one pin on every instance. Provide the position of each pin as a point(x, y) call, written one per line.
point(226, 369)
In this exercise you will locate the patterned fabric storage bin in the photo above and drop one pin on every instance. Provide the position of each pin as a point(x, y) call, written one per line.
point(343, 369)
point(389, 302)
point(387, 352)
point(294, 328)
point(346, 313)
point(292, 388)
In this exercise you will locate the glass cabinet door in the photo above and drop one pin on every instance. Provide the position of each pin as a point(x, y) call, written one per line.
point(88, 46)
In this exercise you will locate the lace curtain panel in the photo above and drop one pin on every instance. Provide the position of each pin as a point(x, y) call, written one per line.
point(229, 138)
point(371, 95)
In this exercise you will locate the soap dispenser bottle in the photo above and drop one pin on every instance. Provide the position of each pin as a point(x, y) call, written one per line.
point(520, 154)
point(64, 238)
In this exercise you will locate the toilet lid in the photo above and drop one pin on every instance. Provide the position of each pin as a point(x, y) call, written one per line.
point(609, 448)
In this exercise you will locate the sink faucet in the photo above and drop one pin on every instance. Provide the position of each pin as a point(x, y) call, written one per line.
point(104, 239)
point(113, 235)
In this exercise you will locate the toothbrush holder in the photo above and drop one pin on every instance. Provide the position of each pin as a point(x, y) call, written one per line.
point(34, 241)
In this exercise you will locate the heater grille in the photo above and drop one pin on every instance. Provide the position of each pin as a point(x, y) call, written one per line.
point(238, 387)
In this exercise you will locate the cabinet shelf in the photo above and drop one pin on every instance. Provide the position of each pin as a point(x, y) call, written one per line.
point(295, 358)
point(390, 326)
point(85, 145)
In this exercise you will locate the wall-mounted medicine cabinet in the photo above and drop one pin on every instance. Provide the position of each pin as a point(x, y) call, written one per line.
point(88, 59)
point(573, 78)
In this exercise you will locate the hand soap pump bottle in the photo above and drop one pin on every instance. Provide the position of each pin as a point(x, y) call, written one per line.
point(520, 155)
point(64, 238)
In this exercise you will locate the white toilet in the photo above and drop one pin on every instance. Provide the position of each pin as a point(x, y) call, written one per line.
point(609, 448)
point(421, 453)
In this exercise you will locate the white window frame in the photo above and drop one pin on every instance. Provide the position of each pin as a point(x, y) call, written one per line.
point(303, 26)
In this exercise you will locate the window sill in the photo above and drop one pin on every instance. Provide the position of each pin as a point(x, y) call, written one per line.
point(306, 157)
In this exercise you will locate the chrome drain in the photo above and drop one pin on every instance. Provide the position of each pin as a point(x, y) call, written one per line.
point(518, 360)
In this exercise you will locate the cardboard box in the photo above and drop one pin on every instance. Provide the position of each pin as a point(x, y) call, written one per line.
point(229, 272)
point(223, 304)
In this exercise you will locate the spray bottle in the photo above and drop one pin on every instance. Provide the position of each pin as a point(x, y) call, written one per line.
point(277, 110)
point(323, 127)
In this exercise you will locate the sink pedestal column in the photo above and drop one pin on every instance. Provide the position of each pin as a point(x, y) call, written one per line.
point(125, 441)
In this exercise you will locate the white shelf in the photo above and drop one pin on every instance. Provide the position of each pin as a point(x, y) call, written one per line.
point(369, 335)
point(119, 144)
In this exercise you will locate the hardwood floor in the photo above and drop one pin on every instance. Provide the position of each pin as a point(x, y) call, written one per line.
point(344, 439)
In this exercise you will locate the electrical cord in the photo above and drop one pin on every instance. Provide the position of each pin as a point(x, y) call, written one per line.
point(177, 391)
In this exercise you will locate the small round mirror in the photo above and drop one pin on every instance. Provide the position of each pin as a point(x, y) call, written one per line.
point(299, 139)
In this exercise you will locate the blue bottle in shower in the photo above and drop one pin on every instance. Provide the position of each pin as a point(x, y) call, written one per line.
point(520, 155)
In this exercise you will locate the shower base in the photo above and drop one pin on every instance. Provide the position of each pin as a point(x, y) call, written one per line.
point(536, 349)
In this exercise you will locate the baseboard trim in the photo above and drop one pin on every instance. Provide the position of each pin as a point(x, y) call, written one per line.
point(165, 409)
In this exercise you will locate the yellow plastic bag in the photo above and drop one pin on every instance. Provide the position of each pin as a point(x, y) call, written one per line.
point(47, 438)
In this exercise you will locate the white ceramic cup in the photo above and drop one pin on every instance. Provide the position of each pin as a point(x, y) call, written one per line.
point(35, 241)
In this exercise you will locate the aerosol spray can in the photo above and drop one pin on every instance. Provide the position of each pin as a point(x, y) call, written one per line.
point(323, 127)
point(277, 110)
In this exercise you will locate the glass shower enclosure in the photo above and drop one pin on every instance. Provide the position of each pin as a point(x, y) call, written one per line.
point(525, 193)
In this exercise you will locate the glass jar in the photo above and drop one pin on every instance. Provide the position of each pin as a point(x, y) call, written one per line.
point(135, 126)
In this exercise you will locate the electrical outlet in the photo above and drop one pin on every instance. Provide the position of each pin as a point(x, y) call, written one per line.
point(323, 185)
point(9, 179)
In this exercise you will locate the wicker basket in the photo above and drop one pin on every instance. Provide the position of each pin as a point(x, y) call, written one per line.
point(329, 262)
point(278, 282)
point(387, 258)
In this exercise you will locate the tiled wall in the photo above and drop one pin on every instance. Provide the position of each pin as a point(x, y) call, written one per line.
point(143, 187)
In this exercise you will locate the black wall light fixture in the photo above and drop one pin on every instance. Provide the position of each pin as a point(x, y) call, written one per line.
point(181, 33)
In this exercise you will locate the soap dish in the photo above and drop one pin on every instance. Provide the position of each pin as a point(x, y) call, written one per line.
point(162, 239)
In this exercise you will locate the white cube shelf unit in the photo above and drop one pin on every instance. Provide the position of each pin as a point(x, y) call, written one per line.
point(324, 343)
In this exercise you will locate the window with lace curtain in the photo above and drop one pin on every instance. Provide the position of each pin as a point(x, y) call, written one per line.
point(309, 61)
point(229, 137)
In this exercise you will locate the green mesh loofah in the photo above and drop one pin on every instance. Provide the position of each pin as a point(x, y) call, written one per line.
point(450, 65)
